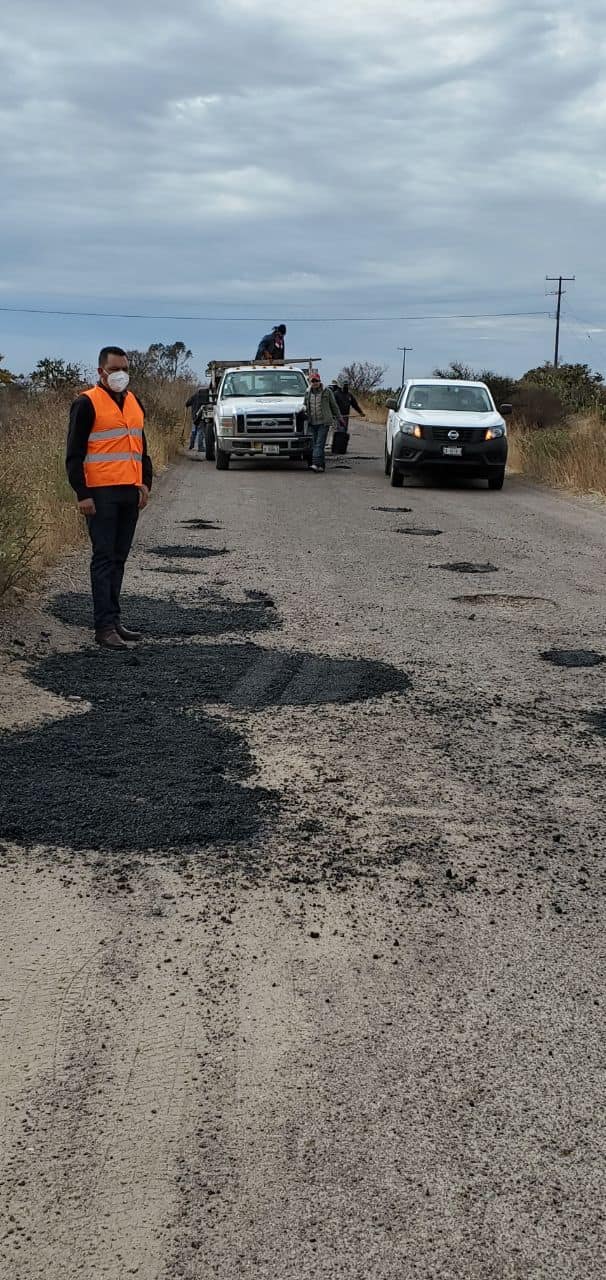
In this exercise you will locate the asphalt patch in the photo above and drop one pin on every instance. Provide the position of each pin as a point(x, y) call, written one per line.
point(238, 675)
point(188, 553)
point(212, 615)
point(502, 600)
point(147, 767)
point(420, 533)
point(573, 657)
point(466, 566)
point(130, 774)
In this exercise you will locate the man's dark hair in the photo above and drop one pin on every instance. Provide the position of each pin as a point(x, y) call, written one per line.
point(281, 328)
point(109, 351)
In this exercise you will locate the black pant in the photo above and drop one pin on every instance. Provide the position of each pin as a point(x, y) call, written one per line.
point(111, 532)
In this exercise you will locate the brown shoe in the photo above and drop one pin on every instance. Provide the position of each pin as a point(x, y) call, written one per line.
point(127, 634)
point(109, 639)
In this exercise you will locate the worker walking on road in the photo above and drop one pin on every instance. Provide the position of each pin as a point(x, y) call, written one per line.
point(346, 402)
point(322, 412)
point(272, 345)
point(110, 470)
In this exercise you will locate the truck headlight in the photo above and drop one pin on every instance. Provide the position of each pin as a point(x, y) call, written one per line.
point(410, 430)
point(495, 433)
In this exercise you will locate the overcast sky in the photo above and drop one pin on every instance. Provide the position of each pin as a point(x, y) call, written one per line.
point(256, 163)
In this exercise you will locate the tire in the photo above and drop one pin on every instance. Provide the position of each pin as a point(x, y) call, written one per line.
point(308, 457)
point(387, 460)
point(496, 482)
point(221, 459)
point(396, 477)
point(209, 443)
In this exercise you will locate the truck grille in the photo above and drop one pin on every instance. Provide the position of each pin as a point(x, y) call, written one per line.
point(466, 435)
point(267, 424)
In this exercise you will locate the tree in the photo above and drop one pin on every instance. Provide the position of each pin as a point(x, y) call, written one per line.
point(363, 376)
point(56, 375)
point(6, 376)
point(576, 385)
point(162, 361)
point(502, 388)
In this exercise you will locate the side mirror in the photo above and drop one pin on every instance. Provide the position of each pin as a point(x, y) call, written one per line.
point(392, 403)
point(506, 409)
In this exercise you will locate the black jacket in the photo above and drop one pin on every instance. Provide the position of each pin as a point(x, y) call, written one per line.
point(271, 345)
point(345, 400)
point(197, 401)
point(81, 419)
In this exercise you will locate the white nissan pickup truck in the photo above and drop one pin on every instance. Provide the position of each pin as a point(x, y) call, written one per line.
point(258, 411)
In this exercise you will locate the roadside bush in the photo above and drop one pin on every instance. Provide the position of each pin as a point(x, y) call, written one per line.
point(572, 456)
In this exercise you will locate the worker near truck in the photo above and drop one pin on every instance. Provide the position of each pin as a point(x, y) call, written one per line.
point(110, 470)
point(272, 345)
point(346, 402)
point(196, 403)
point(322, 412)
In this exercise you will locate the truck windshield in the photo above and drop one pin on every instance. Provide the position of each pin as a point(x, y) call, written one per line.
point(448, 398)
point(265, 382)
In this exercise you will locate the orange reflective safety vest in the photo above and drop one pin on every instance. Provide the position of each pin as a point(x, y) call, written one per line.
point(115, 444)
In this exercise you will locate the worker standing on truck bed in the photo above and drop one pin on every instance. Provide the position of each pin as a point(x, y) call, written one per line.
point(110, 469)
point(271, 346)
point(322, 412)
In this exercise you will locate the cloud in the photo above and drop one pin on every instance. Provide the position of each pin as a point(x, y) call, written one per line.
point(383, 160)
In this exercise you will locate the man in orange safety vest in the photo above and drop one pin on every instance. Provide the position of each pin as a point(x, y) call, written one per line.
point(110, 470)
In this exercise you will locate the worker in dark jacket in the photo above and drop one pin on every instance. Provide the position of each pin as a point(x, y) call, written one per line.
point(346, 402)
point(110, 470)
point(271, 347)
point(196, 403)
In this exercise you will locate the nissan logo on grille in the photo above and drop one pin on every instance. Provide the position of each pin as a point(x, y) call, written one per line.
point(453, 435)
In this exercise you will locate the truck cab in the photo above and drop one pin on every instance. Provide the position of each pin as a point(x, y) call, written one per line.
point(259, 410)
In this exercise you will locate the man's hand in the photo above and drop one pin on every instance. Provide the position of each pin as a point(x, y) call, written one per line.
point(143, 496)
point(87, 507)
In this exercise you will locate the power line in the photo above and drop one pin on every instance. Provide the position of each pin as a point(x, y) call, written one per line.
point(127, 315)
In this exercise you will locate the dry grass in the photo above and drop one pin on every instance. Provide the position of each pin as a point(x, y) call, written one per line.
point(39, 518)
point(568, 457)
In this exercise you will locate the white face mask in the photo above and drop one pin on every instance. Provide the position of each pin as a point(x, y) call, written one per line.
point(118, 381)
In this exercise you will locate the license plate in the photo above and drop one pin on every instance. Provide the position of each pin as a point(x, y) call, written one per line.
point(453, 451)
point(271, 448)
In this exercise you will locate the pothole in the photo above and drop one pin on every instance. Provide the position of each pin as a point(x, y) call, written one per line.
point(573, 657)
point(420, 533)
point(502, 601)
point(188, 553)
point(200, 524)
point(397, 510)
point(467, 566)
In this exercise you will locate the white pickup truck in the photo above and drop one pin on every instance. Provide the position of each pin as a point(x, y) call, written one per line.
point(258, 410)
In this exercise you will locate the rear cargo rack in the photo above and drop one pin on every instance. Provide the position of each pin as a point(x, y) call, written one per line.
point(215, 366)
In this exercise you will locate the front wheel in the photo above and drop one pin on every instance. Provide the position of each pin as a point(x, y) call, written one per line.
point(387, 460)
point(396, 477)
point(221, 459)
point(209, 444)
point(497, 481)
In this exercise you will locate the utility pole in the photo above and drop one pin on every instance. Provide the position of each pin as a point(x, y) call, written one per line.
point(404, 350)
point(559, 280)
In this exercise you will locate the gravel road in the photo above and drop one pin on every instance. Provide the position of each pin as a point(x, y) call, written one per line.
point(302, 908)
